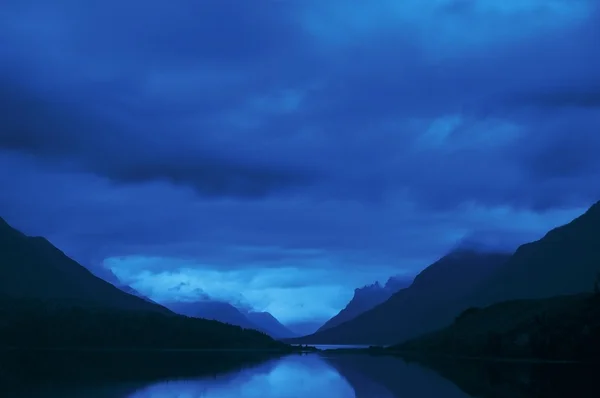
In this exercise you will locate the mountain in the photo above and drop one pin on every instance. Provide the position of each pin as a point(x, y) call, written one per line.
point(305, 327)
point(366, 298)
point(31, 267)
point(538, 297)
point(213, 310)
point(107, 275)
point(558, 328)
point(227, 313)
point(270, 325)
point(430, 302)
point(48, 300)
point(563, 262)
point(129, 290)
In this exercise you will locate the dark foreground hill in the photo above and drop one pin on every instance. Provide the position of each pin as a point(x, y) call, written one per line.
point(541, 307)
point(31, 267)
point(49, 300)
point(557, 328)
point(29, 323)
point(565, 261)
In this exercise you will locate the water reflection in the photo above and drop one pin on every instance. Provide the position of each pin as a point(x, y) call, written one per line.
point(265, 375)
point(293, 376)
point(499, 379)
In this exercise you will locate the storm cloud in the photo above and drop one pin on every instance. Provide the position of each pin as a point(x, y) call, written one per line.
point(350, 140)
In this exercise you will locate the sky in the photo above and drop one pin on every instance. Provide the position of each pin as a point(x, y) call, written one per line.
point(278, 154)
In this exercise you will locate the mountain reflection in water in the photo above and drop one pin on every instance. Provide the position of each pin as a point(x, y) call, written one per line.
point(266, 375)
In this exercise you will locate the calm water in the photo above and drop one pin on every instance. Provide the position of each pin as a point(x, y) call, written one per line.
point(338, 347)
point(214, 375)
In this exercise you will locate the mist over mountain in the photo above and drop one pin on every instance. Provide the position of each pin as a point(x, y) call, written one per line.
point(565, 261)
point(109, 276)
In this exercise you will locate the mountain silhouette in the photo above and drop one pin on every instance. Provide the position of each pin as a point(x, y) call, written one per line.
point(109, 276)
point(430, 302)
point(31, 267)
point(227, 313)
point(48, 300)
point(563, 262)
point(305, 327)
point(267, 323)
point(557, 328)
point(213, 310)
point(366, 298)
point(544, 302)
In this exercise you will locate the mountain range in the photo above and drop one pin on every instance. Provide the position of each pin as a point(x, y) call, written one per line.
point(42, 289)
point(208, 309)
point(565, 261)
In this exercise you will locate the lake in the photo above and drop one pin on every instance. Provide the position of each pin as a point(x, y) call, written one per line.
point(269, 375)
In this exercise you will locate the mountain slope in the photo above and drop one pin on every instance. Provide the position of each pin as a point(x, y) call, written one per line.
point(31, 267)
point(270, 325)
point(364, 299)
point(107, 275)
point(227, 313)
point(212, 310)
point(560, 327)
point(35, 323)
point(563, 262)
point(538, 297)
point(429, 303)
point(47, 300)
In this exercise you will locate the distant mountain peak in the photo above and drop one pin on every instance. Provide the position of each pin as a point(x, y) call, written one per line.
point(366, 298)
point(225, 312)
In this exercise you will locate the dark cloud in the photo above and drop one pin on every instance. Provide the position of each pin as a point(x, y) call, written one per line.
point(367, 141)
point(39, 127)
point(583, 97)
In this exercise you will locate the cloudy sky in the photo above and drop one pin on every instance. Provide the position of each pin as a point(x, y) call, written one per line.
point(280, 153)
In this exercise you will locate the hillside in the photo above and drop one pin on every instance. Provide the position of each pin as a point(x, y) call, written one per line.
point(212, 310)
point(430, 302)
point(31, 323)
point(561, 327)
point(49, 300)
point(31, 267)
point(563, 262)
point(552, 316)
point(227, 313)
point(267, 323)
point(364, 299)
